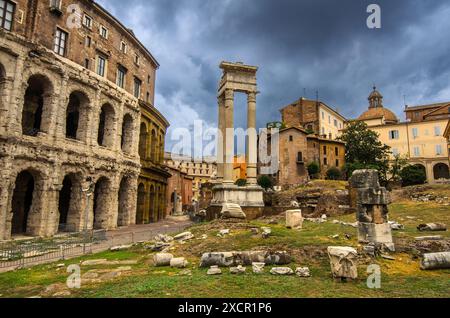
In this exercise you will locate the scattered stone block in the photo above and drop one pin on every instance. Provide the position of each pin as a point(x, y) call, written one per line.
point(232, 211)
point(214, 270)
point(343, 261)
point(62, 294)
point(110, 275)
point(396, 226)
point(435, 261)
point(294, 219)
point(120, 248)
point(388, 257)
point(266, 232)
point(258, 268)
point(163, 238)
point(179, 262)
point(223, 233)
point(90, 275)
point(162, 259)
point(229, 259)
point(254, 230)
point(369, 250)
point(432, 227)
point(124, 269)
point(186, 272)
point(238, 270)
point(184, 236)
point(429, 238)
point(283, 271)
point(302, 272)
point(95, 262)
point(159, 247)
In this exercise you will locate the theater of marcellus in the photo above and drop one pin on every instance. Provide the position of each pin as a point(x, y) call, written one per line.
point(76, 112)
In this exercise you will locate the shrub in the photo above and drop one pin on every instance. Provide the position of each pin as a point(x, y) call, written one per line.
point(313, 169)
point(413, 175)
point(265, 182)
point(334, 174)
point(241, 182)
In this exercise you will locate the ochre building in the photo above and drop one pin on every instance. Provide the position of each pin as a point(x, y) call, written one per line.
point(73, 84)
point(420, 139)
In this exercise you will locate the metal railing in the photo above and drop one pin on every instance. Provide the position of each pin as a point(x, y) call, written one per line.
point(20, 253)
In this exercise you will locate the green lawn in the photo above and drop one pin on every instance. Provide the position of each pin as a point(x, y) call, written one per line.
point(400, 278)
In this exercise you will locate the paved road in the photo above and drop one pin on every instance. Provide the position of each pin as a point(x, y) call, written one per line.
point(122, 236)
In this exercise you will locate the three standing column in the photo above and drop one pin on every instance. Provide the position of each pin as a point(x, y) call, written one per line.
point(221, 139)
point(229, 137)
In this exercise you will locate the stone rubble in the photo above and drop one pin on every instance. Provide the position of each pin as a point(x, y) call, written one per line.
point(294, 219)
point(266, 232)
point(258, 268)
point(303, 272)
point(184, 236)
point(282, 271)
point(120, 248)
point(162, 259)
point(179, 262)
point(232, 211)
point(214, 270)
point(229, 259)
point(432, 227)
point(343, 261)
point(238, 270)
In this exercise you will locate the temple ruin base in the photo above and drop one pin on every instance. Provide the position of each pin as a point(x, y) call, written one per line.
point(248, 196)
point(376, 233)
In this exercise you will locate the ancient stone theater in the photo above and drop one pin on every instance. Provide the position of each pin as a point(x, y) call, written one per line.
point(76, 113)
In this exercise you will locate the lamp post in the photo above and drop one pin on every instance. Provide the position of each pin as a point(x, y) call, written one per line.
point(88, 191)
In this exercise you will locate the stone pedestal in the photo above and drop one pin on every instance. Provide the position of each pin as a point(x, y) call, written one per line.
point(249, 196)
point(376, 233)
point(294, 219)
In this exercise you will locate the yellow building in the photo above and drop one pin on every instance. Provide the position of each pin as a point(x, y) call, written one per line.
point(421, 141)
point(447, 136)
point(239, 168)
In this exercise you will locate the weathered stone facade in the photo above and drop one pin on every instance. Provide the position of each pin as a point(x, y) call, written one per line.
point(61, 123)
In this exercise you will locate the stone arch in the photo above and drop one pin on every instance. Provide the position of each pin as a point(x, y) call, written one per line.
point(140, 207)
point(102, 203)
point(125, 201)
point(77, 116)
point(106, 130)
point(36, 105)
point(70, 203)
point(143, 141)
point(441, 171)
point(161, 214)
point(25, 205)
point(127, 134)
point(154, 145)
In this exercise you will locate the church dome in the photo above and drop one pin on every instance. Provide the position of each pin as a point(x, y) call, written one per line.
point(377, 110)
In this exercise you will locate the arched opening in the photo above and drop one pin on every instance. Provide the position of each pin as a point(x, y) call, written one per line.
point(69, 204)
point(441, 171)
point(154, 146)
point(106, 126)
point(140, 204)
point(124, 202)
point(143, 141)
point(76, 116)
point(161, 213)
point(127, 134)
point(22, 203)
point(37, 96)
point(101, 203)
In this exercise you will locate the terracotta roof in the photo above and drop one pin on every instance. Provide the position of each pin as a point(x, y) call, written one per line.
point(419, 107)
point(379, 112)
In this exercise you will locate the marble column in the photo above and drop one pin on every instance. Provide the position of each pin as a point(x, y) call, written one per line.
point(229, 137)
point(251, 155)
point(220, 139)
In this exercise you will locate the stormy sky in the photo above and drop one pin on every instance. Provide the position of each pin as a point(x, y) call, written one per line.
point(300, 46)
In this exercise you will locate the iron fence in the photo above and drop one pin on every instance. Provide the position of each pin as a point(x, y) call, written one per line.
point(20, 253)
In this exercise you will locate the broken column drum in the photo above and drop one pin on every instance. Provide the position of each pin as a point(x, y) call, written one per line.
point(236, 77)
point(371, 203)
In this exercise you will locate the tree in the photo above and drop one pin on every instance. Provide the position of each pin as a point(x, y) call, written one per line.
point(265, 182)
point(396, 167)
point(313, 169)
point(241, 182)
point(413, 175)
point(334, 174)
point(364, 150)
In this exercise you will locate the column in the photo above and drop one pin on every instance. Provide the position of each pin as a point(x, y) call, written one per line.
point(252, 151)
point(220, 139)
point(229, 137)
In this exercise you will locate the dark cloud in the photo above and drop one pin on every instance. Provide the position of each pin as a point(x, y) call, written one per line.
point(302, 45)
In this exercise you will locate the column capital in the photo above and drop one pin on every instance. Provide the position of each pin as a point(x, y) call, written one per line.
point(251, 96)
point(229, 94)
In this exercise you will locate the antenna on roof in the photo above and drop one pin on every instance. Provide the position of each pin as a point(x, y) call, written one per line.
point(304, 92)
point(317, 95)
point(404, 101)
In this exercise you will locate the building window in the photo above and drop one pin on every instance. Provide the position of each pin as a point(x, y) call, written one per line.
point(325, 161)
point(137, 87)
point(335, 123)
point(337, 162)
point(415, 132)
point(437, 131)
point(329, 119)
point(149, 78)
point(87, 21)
point(86, 63)
point(336, 151)
point(148, 97)
point(60, 42)
point(325, 150)
point(323, 130)
point(394, 134)
point(291, 138)
point(123, 47)
point(7, 9)
point(103, 32)
point(121, 72)
point(88, 41)
point(101, 65)
point(416, 151)
point(438, 150)
point(300, 157)
point(323, 115)
point(137, 59)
